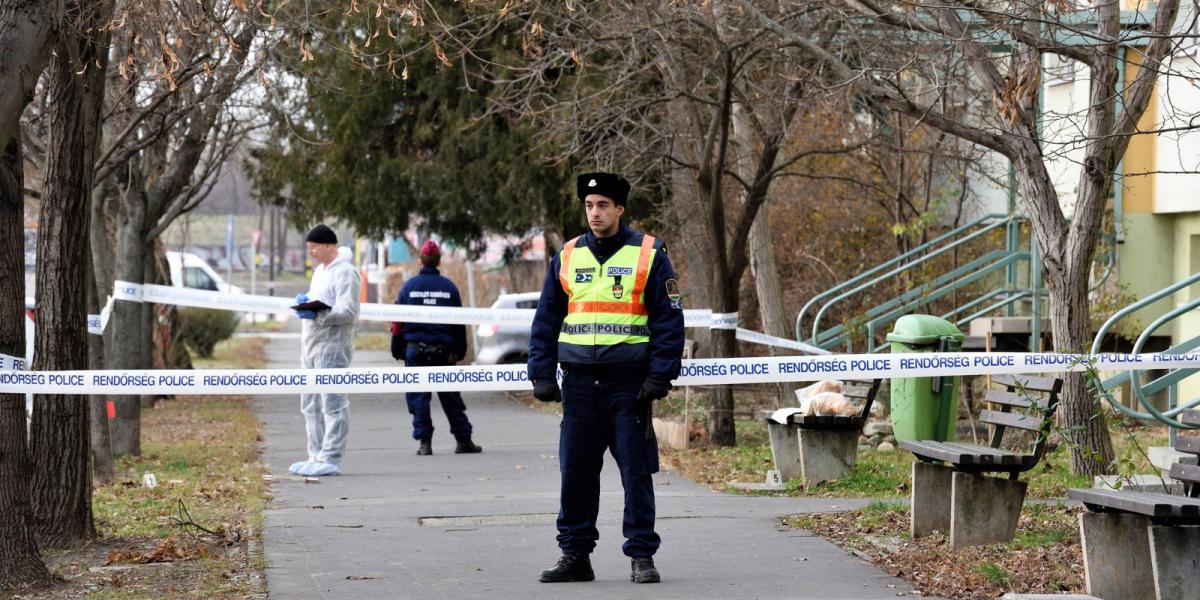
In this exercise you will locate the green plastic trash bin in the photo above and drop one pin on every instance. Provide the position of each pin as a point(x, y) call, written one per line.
point(924, 408)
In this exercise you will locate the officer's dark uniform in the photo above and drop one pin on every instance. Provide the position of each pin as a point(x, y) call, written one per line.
point(601, 381)
point(432, 345)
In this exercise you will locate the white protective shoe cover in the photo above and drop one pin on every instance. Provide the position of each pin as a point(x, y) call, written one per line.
point(320, 469)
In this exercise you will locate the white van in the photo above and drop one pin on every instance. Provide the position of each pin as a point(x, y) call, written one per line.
point(191, 271)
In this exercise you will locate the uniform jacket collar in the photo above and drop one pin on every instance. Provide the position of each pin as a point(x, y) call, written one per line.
point(608, 243)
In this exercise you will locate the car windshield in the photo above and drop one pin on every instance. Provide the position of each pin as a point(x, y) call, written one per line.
point(195, 277)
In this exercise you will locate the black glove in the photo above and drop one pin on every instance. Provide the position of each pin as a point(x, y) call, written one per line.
point(398, 347)
point(653, 389)
point(547, 391)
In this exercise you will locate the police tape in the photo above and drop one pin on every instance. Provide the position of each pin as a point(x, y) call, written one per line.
point(724, 321)
point(11, 363)
point(162, 294)
point(97, 323)
point(754, 337)
point(713, 371)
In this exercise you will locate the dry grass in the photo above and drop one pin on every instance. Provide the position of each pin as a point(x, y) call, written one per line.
point(235, 352)
point(1044, 558)
point(196, 534)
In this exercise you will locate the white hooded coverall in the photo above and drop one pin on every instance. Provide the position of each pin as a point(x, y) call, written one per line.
point(327, 342)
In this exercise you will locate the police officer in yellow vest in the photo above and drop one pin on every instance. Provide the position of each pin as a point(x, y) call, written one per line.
point(611, 314)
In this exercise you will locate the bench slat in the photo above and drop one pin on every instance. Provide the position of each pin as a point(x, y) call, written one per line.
point(807, 420)
point(1190, 417)
point(1183, 501)
point(856, 391)
point(968, 455)
point(1188, 473)
point(1026, 422)
point(932, 450)
point(1189, 444)
point(1038, 384)
point(1013, 399)
point(1143, 503)
point(987, 454)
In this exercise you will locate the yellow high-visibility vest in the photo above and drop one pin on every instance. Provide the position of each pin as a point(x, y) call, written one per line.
point(606, 320)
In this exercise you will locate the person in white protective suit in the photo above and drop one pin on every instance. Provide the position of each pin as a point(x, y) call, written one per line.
point(327, 342)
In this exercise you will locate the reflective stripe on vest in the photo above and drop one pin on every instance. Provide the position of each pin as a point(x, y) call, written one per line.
point(605, 308)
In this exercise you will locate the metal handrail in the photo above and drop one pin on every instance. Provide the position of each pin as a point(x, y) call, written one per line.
point(896, 271)
point(896, 307)
point(1139, 391)
point(1140, 304)
point(1002, 263)
point(893, 261)
point(918, 292)
point(1014, 296)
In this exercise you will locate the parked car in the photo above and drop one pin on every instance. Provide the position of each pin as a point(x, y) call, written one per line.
point(191, 271)
point(505, 344)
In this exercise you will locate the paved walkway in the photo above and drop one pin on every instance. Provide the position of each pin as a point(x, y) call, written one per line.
point(396, 525)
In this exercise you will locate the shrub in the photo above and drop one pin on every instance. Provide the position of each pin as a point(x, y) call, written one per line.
point(201, 328)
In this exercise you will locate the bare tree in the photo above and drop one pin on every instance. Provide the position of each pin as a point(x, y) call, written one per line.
point(28, 29)
point(23, 565)
point(673, 91)
point(60, 433)
point(1006, 120)
point(27, 32)
point(171, 130)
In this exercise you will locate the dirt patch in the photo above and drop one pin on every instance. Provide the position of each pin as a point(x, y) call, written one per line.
point(1045, 558)
point(192, 535)
point(203, 566)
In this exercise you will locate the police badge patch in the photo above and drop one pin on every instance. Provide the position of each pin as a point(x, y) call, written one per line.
point(674, 295)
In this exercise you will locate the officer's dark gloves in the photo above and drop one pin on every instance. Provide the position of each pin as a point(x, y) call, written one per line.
point(398, 347)
point(547, 391)
point(653, 389)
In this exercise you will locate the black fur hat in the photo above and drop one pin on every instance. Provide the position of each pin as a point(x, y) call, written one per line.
point(606, 184)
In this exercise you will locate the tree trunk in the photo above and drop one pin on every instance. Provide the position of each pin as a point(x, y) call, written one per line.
point(766, 276)
point(27, 32)
point(770, 294)
point(62, 491)
point(103, 468)
point(94, 80)
point(22, 565)
point(721, 429)
point(102, 265)
point(762, 257)
point(128, 322)
point(1079, 414)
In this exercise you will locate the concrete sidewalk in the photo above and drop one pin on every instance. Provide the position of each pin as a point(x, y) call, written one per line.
point(396, 525)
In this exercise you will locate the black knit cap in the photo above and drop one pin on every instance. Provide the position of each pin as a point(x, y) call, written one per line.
point(321, 234)
point(606, 184)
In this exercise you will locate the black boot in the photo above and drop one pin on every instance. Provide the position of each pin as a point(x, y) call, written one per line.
point(466, 446)
point(426, 446)
point(571, 567)
point(643, 571)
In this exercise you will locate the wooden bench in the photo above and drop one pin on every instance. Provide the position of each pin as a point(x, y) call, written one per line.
point(957, 497)
point(1140, 544)
point(819, 448)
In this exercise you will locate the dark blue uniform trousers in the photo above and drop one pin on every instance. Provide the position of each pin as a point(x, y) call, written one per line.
point(418, 402)
point(600, 414)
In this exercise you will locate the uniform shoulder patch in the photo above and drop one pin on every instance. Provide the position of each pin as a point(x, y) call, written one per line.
point(673, 294)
